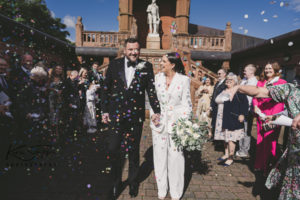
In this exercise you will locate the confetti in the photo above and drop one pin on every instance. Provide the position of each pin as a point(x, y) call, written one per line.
point(241, 28)
point(88, 186)
point(272, 41)
point(262, 12)
point(246, 31)
point(265, 20)
point(281, 4)
point(290, 43)
point(275, 16)
point(246, 16)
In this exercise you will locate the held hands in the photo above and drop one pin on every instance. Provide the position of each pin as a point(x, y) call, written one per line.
point(155, 118)
point(241, 118)
point(105, 118)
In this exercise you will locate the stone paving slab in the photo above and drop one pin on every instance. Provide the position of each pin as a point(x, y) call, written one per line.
point(215, 182)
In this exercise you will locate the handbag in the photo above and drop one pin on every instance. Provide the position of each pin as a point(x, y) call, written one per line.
point(277, 174)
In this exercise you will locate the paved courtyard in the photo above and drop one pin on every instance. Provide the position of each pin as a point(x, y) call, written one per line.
point(78, 169)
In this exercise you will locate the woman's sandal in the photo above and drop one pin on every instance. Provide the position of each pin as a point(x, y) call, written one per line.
point(223, 158)
point(228, 162)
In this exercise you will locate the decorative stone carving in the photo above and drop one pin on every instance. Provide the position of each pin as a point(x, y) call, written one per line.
point(153, 18)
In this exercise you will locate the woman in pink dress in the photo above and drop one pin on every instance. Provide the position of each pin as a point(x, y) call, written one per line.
point(267, 136)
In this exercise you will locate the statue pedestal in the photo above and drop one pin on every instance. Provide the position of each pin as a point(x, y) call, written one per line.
point(153, 41)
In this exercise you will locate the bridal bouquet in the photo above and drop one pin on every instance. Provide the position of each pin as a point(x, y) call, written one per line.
point(189, 135)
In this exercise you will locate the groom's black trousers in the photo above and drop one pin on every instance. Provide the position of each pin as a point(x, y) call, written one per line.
point(124, 140)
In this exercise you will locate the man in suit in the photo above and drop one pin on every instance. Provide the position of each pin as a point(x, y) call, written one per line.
point(71, 100)
point(20, 80)
point(123, 108)
point(5, 115)
point(94, 75)
point(219, 87)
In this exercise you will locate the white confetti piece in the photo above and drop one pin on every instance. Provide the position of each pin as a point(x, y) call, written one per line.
point(241, 28)
point(275, 16)
point(265, 20)
point(272, 41)
point(262, 12)
point(290, 43)
point(246, 31)
point(281, 4)
point(246, 16)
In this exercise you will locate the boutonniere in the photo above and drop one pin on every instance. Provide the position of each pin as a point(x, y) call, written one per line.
point(141, 65)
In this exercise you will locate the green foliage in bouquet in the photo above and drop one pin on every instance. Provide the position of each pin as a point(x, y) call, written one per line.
point(189, 134)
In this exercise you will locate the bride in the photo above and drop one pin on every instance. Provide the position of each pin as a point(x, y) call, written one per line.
point(173, 92)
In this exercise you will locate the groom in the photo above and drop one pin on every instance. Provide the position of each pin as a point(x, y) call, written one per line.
point(123, 104)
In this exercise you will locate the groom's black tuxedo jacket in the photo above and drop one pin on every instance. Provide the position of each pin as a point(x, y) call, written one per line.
point(128, 103)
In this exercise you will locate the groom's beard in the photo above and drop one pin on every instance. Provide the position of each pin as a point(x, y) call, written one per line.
point(136, 56)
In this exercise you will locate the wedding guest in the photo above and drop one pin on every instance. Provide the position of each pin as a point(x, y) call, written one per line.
point(244, 143)
point(173, 91)
point(219, 87)
point(33, 103)
point(232, 110)
point(286, 173)
point(89, 118)
point(20, 79)
point(56, 85)
point(83, 86)
point(96, 78)
point(297, 75)
point(203, 107)
point(71, 99)
point(267, 135)
point(6, 120)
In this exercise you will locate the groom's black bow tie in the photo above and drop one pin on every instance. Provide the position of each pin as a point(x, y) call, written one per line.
point(131, 64)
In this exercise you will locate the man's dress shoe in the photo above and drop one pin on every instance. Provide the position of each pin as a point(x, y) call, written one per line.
point(133, 190)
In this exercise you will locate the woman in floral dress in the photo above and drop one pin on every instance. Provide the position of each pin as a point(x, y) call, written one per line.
point(287, 169)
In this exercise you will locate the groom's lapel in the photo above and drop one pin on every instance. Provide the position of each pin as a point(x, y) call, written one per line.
point(122, 71)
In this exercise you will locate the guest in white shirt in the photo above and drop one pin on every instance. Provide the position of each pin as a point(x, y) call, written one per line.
point(250, 79)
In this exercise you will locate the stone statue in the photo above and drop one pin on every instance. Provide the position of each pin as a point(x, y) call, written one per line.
point(134, 28)
point(153, 17)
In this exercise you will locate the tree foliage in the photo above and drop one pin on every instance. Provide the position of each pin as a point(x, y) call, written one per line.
point(35, 14)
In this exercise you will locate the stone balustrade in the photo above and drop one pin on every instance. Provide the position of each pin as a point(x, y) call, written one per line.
point(216, 43)
point(103, 39)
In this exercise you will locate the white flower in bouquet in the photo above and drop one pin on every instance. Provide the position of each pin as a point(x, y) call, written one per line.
point(195, 126)
point(180, 131)
point(188, 135)
point(196, 135)
point(191, 130)
point(188, 123)
point(183, 140)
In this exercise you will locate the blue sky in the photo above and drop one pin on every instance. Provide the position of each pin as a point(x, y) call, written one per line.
point(259, 18)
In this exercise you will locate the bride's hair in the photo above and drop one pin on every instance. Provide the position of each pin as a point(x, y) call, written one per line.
point(174, 58)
